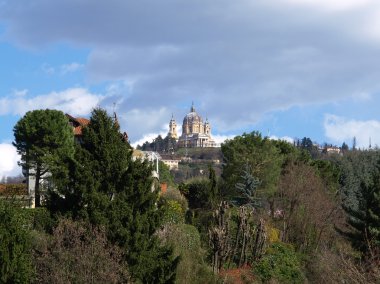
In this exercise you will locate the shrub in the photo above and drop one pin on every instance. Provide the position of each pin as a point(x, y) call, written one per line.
point(185, 240)
point(77, 252)
point(280, 263)
point(15, 246)
point(173, 212)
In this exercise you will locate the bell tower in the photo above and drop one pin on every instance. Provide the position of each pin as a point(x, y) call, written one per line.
point(172, 128)
point(207, 128)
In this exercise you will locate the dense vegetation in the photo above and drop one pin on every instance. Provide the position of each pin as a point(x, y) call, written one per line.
point(277, 213)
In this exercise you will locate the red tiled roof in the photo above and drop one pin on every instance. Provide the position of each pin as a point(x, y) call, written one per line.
point(82, 121)
point(78, 123)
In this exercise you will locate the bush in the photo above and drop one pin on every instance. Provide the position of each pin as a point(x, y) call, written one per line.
point(77, 252)
point(175, 195)
point(185, 240)
point(173, 213)
point(15, 246)
point(198, 193)
point(280, 263)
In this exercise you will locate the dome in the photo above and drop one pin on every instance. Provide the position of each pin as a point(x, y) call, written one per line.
point(192, 117)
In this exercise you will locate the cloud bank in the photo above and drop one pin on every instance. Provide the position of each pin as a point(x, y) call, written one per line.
point(75, 101)
point(340, 129)
point(237, 60)
point(8, 161)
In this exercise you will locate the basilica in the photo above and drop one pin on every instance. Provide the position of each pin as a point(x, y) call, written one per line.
point(195, 132)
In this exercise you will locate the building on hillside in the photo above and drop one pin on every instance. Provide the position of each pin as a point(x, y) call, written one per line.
point(154, 158)
point(332, 150)
point(195, 132)
point(150, 156)
point(77, 123)
point(171, 163)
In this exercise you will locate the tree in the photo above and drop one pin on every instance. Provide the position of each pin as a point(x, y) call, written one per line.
point(43, 138)
point(15, 246)
point(197, 191)
point(306, 207)
point(107, 188)
point(364, 222)
point(248, 187)
point(165, 175)
point(260, 154)
point(213, 185)
point(344, 147)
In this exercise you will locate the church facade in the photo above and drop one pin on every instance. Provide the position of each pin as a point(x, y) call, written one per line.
point(195, 132)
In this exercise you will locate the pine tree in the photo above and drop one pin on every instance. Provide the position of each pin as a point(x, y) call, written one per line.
point(43, 138)
point(365, 221)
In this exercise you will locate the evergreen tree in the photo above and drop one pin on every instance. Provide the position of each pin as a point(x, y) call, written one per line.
point(213, 186)
point(260, 154)
point(43, 138)
point(247, 187)
point(344, 147)
point(134, 219)
point(365, 221)
point(107, 188)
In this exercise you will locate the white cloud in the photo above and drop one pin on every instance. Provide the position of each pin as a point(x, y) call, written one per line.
point(8, 160)
point(138, 122)
point(222, 138)
point(76, 101)
point(340, 129)
point(284, 138)
point(229, 56)
point(70, 68)
point(147, 137)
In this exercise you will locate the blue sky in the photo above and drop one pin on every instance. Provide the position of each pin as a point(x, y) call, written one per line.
point(288, 68)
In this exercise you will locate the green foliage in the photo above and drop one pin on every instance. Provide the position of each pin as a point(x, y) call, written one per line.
point(185, 240)
point(357, 169)
point(280, 263)
point(15, 246)
point(262, 156)
point(329, 172)
point(213, 184)
point(39, 219)
point(248, 187)
point(173, 212)
point(175, 195)
point(365, 220)
point(105, 187)
point(165, 175)
point(43, 138)
point(198, 193)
